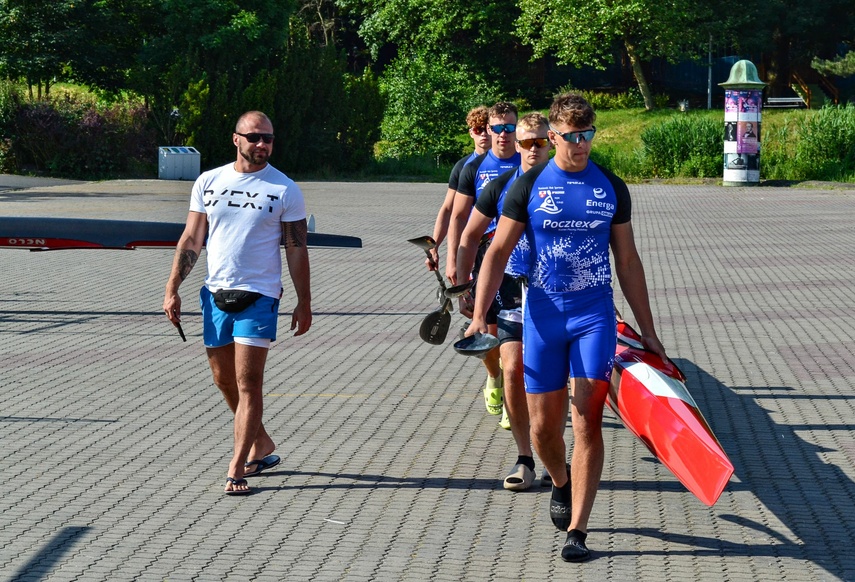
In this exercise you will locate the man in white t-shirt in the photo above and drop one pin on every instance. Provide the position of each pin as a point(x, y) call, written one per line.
point(244, 209)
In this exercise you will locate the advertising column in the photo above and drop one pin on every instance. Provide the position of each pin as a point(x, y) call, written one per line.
point(743, 98)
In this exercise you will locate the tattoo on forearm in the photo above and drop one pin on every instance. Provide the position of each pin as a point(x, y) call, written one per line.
point(294, 233)
point(186, 260)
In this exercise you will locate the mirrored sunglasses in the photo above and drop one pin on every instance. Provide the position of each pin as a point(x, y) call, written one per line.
point(526, 144)
point(506, 127)
point(479, 130)
point(254, 137)
point(577, 136)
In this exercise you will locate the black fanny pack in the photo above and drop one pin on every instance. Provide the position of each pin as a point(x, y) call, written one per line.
point(234, 300)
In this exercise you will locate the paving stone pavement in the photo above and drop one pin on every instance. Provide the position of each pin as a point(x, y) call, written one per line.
point(115, 441)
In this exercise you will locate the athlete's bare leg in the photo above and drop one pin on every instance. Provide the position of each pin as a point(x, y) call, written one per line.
point(238, 372)
point(515, 397)
point(587, 400)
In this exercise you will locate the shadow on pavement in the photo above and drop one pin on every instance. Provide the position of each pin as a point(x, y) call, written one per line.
point(44, 561)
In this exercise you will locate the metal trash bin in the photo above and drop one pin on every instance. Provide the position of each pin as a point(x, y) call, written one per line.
point(178, 163)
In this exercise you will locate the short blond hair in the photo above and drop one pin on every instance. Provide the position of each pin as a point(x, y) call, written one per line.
point(533, 121)
point(571, 109)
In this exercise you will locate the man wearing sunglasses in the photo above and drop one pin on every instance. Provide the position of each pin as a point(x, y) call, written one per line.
point(572, 212)
point(476, 120)
point(533, 146)
point(244, 209)
point(501, 157)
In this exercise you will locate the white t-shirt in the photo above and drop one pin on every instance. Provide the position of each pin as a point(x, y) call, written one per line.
point(245, 216)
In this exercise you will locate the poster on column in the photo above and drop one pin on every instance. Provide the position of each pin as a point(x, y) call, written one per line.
point(742, 135)
point(749, 102)
point(748, 137)
point(730, 142)
point(731, 105)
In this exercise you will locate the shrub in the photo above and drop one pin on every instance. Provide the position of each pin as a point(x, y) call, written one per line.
point(10, 100)
point(67, 138)
point(602, 100)
point(824, 150)
point(809, 145)
point(360, 128)
point(428, 98)
point(686, 145)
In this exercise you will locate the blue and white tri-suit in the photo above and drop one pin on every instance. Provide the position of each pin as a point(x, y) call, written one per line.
point(569, 325)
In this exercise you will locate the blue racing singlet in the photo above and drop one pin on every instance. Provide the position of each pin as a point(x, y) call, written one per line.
point(490, 204)
point(568, 217)
point(483, 170)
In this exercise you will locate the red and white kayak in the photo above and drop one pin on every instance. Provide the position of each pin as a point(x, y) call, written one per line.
point(651, 399)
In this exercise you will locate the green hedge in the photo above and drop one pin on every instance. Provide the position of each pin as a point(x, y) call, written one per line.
point(811, 145)
point(684, 146)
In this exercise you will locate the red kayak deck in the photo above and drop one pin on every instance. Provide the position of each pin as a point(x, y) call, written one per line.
point(651, 399)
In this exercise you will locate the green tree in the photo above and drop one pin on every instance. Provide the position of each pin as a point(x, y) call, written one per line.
point(428, 97)
point(841, 66)
point(108, 36)
point(586, 33)
point(93, 42)
point(471, 36)
point(35, 35)
point(788, 34)
point(202, 58)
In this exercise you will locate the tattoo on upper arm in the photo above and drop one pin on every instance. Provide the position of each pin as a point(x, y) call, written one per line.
point(294, 233)
point(186, 260)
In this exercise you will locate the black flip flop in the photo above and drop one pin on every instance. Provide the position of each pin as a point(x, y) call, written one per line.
point(235, 483)
point(267, 462)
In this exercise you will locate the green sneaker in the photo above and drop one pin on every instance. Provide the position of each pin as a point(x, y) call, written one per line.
point(494, 395)
point(505, 423)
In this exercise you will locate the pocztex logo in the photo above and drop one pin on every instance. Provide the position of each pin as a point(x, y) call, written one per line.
point(571, 224)
point(548, 205)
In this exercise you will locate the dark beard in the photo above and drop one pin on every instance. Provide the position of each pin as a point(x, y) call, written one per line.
point(256, 157)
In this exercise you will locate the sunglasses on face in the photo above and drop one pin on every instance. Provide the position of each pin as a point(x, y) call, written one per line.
point(479, 130)
point(577, 136)
point(506, 127)
point(526, 144)
point(254, 137)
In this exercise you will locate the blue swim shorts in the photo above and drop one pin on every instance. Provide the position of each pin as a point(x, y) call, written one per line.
point(565, 337)
point(219, 328)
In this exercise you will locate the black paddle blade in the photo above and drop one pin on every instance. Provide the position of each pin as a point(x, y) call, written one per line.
point(458, 290)
point(476, 345)
point(435, 326)
point(424, 242)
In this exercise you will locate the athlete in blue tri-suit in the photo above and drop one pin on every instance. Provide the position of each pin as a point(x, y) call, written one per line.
point(501, 157)
point(533, 145)
point(572, 212)
point(476, 119)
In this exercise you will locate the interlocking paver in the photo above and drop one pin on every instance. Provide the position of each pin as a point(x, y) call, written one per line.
point(116, 441)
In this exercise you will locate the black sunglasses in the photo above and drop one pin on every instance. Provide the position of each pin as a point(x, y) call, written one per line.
point(254, 137)
point(526, 144)
point(506, 127)
point(577, 136)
